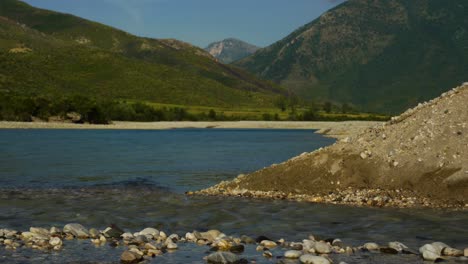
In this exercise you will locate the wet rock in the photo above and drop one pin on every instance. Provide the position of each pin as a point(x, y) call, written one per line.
point(296, 246)
point(55, 241)
point(237, 249)
point(371, 246)
point(137, 251)
point(210, 235)
point(397, 246)
point(311, 259)
point(389, 250)
point(174, 237)
point(429, 252)
point(113, 232)
point(190, 237)
point(439, 246)
point(267, 254)
point(292, 254)
point(150, 231)
point(129, 257)
point(247, 240)
point(27, 235)
point(337, 242)
point(268, 244)
point(154, 252)
point(171, 245)
point(322, 248)
point(141, 239)
point(94, 233)
point(452, 252)
point(223, 258)
point(39, 231)
point(76, 230)
point(127, 236)
point(222, 244)
point(55, 230)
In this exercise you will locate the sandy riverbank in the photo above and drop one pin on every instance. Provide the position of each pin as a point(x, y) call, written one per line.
point(417, 159)
point(331, 129)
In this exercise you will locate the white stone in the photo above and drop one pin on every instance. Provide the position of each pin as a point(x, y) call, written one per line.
point(77, 230)
point(171, 245)
point(311, 259)
point(429, 252)
point(322, 248)
point(190, 237)
point(371, 246)
point(55, 241)
point(292, 254)
point(150, 231)
point(268, 244)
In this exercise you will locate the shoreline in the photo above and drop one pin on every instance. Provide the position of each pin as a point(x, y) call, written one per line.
point(151, 243)
point(331, 129)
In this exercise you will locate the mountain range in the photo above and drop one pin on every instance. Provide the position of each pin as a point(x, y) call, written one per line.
point(378, 55)
point(231, 49)
point(46, 52)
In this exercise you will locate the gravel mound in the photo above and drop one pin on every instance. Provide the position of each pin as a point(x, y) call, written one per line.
point(422, 153)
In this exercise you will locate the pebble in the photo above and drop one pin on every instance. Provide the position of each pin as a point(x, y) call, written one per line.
point(171, 245)
point(39, 231)
point(76, 230)
point(268, 244)
point(429, 252)
point(292, 254)
point(237, 249)
point(154, 252)
point(55, 241)
point(55, 230)
point(129, 257)
point(439, 246)
point(190, 237)
point(311, 259)
point(322, 248)
point(113, 232)
point(94, 233)
point(452, 252)
point(223, 258)
point(210, 235)
point(127, 236)
point(267, 254)
point(247, 240)
point(397, 246)
point(150, 231)
point(371, 246)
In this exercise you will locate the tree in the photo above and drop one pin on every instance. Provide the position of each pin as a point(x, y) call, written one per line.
point(327, 107)
point(281, 103)
point(212, 114)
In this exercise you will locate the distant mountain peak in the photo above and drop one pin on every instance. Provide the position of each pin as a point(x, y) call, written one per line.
point(231, 49)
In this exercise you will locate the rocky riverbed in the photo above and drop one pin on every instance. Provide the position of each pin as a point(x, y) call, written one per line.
point(152, 245)
point(419, 158)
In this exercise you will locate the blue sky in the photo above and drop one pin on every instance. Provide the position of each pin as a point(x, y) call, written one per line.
point(200, 22)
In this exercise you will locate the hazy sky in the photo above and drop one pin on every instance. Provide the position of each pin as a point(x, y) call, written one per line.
point(200, 22)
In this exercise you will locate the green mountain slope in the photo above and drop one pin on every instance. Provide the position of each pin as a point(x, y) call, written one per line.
point(48, 52)
point(230, 50)
point(380, 55)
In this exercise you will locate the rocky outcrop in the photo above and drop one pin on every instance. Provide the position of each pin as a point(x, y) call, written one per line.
point(421, 153)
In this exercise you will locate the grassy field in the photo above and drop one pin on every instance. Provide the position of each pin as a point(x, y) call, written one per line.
point(249, 113)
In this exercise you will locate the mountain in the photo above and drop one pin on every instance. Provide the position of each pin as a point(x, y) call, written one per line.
point(45, 52)
point(380, 55)
point(230, 50)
